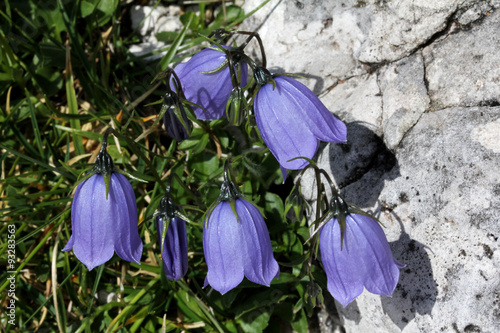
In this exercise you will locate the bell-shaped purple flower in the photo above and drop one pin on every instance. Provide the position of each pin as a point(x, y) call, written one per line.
point(291, 119)
point(104, 224)
point(207, 84)
point(175, 119)
point(237, 247)
point(365, 259)
point(175, 247)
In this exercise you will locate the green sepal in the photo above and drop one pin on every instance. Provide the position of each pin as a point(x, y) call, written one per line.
point(86, 175)
point(223, 65)
point(144, 179)
point(356, 210)
point(235, 105)
point(166, 223)
point(273, 82)
point(303, 158)
point(186, 219)
point(107, 179)
point(232, 204)
point(209, 211)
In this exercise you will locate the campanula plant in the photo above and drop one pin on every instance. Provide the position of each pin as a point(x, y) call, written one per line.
point(175, 118)
point(236, 242)
point(172, 237)
point(104, 216)
point(291, 119)
point(206, 79)
point(355, 254)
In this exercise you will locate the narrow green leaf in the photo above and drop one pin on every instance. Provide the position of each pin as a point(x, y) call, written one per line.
point(34, 123)
point(165, 61)
point(73, 105)
point(40, 163)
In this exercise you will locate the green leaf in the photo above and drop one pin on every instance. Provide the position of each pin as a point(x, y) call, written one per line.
point(49, 79)
point(233, 13)
point(190, 20)
point(166, 36)
point(86, 8)
point(105, 10)
point(188, 305)
point(255, 321)
point(299, 324)
point(204, 164)
point(274, 208)
point(258, 301)
point(73, 105)
point(165, 61)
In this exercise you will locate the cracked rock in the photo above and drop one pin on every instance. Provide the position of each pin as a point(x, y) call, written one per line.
point(315, 38)
point(405, 97)
point(464, 68)
point(440, 210)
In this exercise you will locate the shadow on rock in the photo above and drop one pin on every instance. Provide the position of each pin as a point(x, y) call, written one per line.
point(417, 290)
point(361, 166)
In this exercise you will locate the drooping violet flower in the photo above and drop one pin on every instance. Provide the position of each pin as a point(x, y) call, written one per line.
point(104, 221)
point(237, 246)
point(291, 119)
point(364, 260)
point(175, 119)
point(206, 80)
point(175, 248)
point(173, 240)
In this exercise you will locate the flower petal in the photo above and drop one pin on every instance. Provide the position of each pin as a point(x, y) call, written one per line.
point(281, 128)
point(128, 244)
point(381, 270)
point(222, 248)
point(74, 225)
point(211, 91)
point(92, 215)
point(344, 278)
point(321, 122)
point(259, 264)
point(175, 249)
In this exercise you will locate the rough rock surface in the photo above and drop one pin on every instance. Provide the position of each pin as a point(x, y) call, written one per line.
point(418, 84)
point(150, 21)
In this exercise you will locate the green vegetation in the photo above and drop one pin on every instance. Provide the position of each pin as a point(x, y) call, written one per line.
point(66, 75)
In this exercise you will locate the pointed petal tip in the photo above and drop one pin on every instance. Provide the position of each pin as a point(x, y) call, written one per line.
point(284, 173)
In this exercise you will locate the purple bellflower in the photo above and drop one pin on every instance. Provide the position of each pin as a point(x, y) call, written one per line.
point(175, 244)
point(357, 257)
point(236, 242)
point(104, 216)
point(175, 119)
point(291, 119)
point(206, 79)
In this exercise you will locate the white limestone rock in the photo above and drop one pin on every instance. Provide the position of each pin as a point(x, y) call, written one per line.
point(464, 68)
point(150, 21)
point(405, 97)
point(315, 38)
point(440, 208)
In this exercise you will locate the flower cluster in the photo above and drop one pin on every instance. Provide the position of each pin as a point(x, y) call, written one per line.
point(291, 120)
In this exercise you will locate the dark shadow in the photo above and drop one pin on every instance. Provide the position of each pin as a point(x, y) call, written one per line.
point(416, 291)
point(362, 165)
